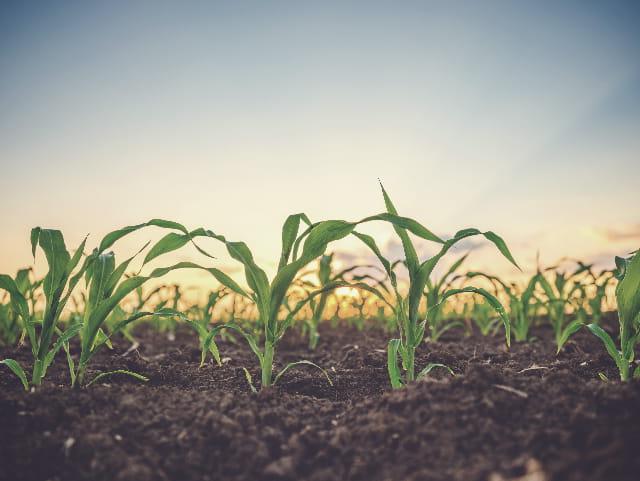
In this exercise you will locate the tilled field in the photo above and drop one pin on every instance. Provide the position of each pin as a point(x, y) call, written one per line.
point(522, 414)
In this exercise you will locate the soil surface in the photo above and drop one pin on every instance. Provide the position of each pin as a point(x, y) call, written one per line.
point(522, 414)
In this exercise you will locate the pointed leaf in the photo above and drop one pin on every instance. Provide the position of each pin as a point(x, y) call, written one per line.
point(17, 370)
point(299, 363)
point(392, 364)
point(135, 375)
point(430, 367)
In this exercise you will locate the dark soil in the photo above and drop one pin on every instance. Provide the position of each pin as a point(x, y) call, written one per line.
point(520, 415)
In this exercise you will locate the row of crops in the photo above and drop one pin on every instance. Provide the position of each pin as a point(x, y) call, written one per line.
point(92, 297)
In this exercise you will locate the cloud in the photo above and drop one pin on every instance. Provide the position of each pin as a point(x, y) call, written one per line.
point(625, 233)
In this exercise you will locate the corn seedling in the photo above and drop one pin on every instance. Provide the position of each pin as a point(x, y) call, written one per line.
point(595, 302)
point(64, 273)
point(107, 289)
point(628, 299)
point(522, 306)
point(11, 325)
point(482, 314)
point(406, 308)
point(269, 297)
point(57, 280)
point(438, 323)
point(560, 294)
point(325, 277)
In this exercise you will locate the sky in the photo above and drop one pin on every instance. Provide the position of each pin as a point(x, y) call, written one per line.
point(517, 117)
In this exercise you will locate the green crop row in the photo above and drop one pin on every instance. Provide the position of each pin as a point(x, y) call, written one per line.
point(93, 287)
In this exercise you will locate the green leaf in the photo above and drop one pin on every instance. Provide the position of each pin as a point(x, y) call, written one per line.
point(97, 277)
point(251, 340)
point(453, 268)
point(249, 379)
point(611, 348)
point(546, 287)
point(22, 280)
point(52, 243)
point(35, 236)
point(117, 273)
point(135, 375)
point(528, 292)
point(97, 344)
point(392, 363)
point(289, 235)
point(58, 259)
point(502, 246)
point(409, 250)
point(163, 246)
point(427, 267)
point(371, 243)
point(491, 299)
point(404, 223)
point(332, 286)
point(569, 330)
point(70, 364)
point(430, 367)
point(169, 243)
point(299, 363)
point(314, 246)
point(628, 299)
point(75, 260)
point(114, 236)
point(226, 281)
point(212, 346)
point(17, 370)
point(102, 310)
point(18, 302)
point(438, 334)
point(63, 339)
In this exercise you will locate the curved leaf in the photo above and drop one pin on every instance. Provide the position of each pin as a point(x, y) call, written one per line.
point(17, 370)
point(289, 235)
point(298, 363)
point(135, 375)
point(392, 363)
point(491, 299)
point(430, 367)
point(569, 330)
point(611, 348)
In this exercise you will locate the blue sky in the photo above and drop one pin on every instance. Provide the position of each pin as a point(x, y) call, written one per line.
point(521, 117)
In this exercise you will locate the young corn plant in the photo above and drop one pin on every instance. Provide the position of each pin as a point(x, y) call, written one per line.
point(268, 296)
point(200, 317)
point(438, 322)
point(64, 273)
point(56, 282)
point(11, 326)
point(482, 316)
point(597, 300)
point(326, 277)
point(560, 294)
point(522, 306)
point(107, 287)
point(406, 308)
point(628, 300)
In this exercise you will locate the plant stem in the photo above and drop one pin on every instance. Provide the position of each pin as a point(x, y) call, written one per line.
point(411, 364)
point(624, 372)
point(313, 336)
point(38, 368)
point(79, 377)
point(267, 363)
